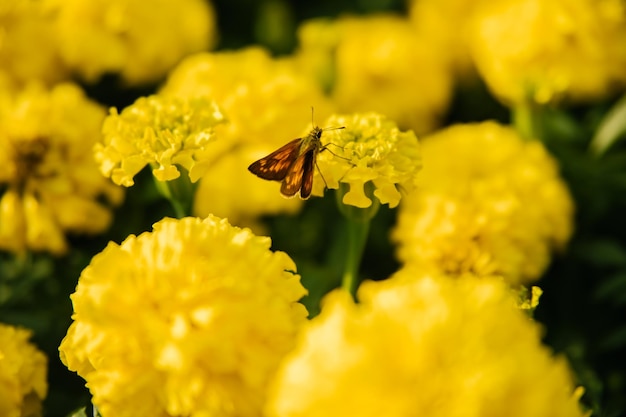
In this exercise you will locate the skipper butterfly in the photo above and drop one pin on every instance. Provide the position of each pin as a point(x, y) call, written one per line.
point(293, 164)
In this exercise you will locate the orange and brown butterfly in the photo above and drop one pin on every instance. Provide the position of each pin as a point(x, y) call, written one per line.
point(293, 164)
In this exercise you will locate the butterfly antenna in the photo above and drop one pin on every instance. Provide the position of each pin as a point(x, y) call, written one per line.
point(333, 128)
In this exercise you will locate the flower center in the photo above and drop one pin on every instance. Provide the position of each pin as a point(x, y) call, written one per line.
point(29, 156)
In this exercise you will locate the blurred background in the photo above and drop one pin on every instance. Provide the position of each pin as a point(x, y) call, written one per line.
point(583, 306)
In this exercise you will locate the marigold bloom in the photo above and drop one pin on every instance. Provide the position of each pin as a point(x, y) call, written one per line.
point(26, 23)
point(370, 150)
point(379, 64)
point(267, 103)
point(50, 182)
point(23, 370)
point(533, 49)
point(189, 319)
point(488, 203)
point(420, 345)
point(445, 23)
point(119, 36)
point(161, 131)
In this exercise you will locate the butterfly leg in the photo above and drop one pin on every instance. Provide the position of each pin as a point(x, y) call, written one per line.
point(325, 148)
point(321, 175)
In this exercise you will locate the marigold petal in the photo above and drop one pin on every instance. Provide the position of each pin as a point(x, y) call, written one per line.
point(12, 223)
point(42, 231)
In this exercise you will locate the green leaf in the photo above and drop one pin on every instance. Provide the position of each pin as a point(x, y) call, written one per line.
point(79, 413)
point(602, 253)
point(613, 288)
point(616, 340)
point(611, 129)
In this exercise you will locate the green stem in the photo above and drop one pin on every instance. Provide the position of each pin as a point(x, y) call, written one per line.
point(357, 237)
point(179, 209)
point(526, 120)
point(179, 192)
point(357, 228)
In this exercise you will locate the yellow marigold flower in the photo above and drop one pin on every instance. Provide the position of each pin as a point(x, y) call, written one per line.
point(119, 36)
point(420, 345)
point(189, 319)
point(370, 151)
point(445, 22)
point(23, 370)
point(50, 182)
point(488, 203)
point(28, 48)
point(533, 49)
point(317, 42)
point(267, 103)
point(161, 131)
point(379, 64)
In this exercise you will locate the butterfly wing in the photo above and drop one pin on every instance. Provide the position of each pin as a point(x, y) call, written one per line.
point(307, 175)
point(277, 165)
point(293, 180)
point(300, 176)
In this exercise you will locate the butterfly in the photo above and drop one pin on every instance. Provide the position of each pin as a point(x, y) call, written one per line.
point(293, 164)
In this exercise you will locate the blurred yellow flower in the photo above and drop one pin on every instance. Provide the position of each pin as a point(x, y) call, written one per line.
point(370, 151)
point(419, 345)
point(23, 370)
point(549, 50)
point(445, 23)
point(189, 319)
point(50, 182)
point(140, 42)
point(488, 203)
point(378, 63)
point(164, 132)
point(27, 44)
point(267, 103)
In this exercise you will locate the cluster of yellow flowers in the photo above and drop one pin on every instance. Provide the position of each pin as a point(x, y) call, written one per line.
point(23, 372)
point(100, 37)
point(534, 49)
point(199, 317)
point(539, 51)
point(266, 102)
